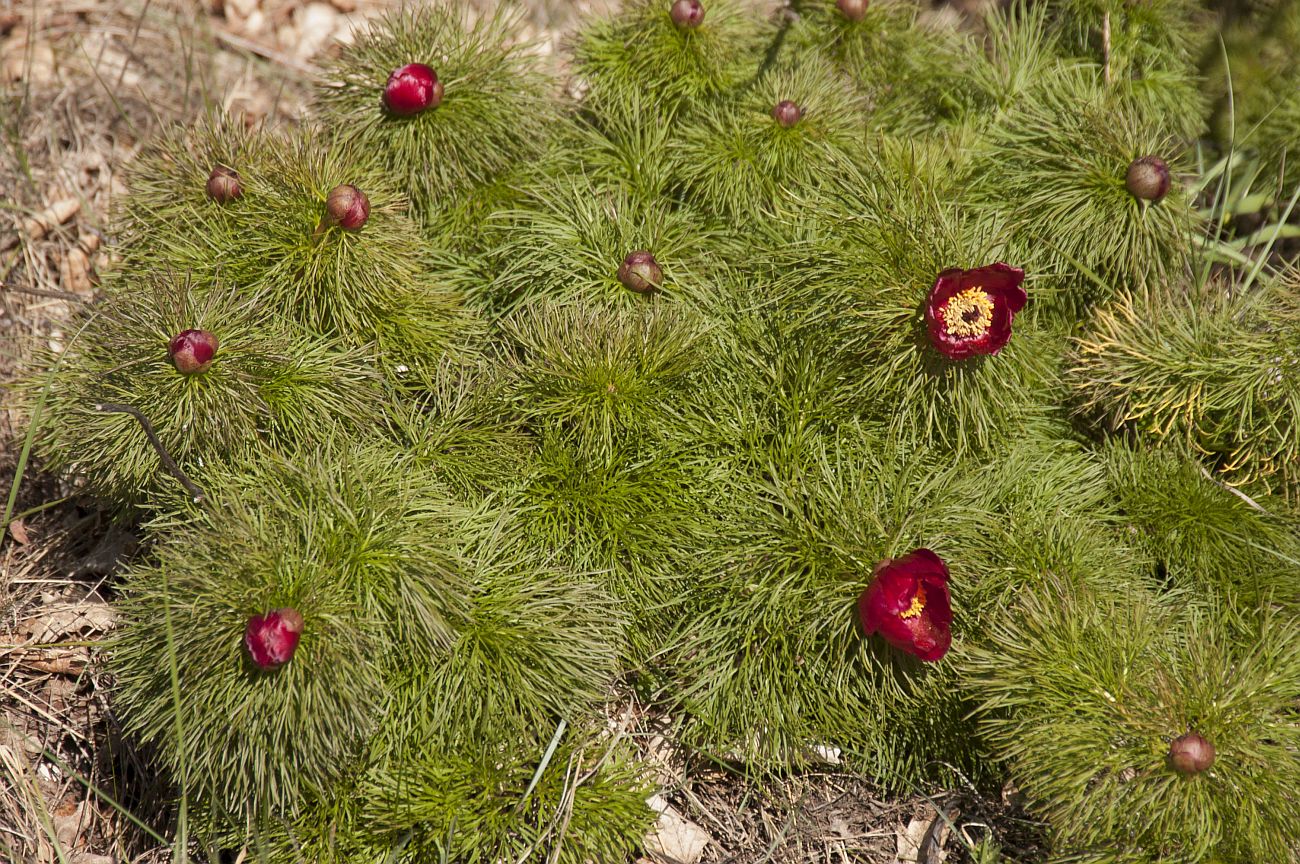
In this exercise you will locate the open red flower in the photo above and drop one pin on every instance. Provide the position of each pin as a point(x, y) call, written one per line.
point(969, 311)
point(907, 603)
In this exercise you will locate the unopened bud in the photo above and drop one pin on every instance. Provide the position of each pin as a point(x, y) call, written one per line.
point(348, 207)
point(192, 351)
point(1148, 178)
point(687, 14)
point(640, 272)
point(1190, 753)
point(787, 113)
point(271, 639)
point(223, 185)
point(411, 89)
point(854, 10)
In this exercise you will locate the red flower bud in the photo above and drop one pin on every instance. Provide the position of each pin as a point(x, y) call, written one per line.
point(640, 272)
point(411, 89)
point(223, 185)
point(969, 312)
point(348, 207)
point(907, 603)
point(854, 10)
point(272, 638)
point(192, 351)
point(1190, 754)
point(1147, 178)
point(787, 113)
point(687, 14)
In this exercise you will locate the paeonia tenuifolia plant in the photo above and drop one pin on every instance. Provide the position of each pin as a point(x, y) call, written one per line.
point(836, 384)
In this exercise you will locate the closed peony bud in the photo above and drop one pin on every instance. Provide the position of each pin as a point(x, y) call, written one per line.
point(1190, 754)
point(640, 272)
point(687, 14)
point(787, 113)
point(348, 207)
point(192, 351)
point(1148, 178)
point(272, 638)
point(223, 185)
point(411, 89)
point(854, 10)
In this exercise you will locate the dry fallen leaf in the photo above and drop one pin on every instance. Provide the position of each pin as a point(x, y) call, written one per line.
point(19, 532)
point(79, 619)
point(89, 858)
point(71, 661)
point(50, 218)
point(315, 24)
point(242, 8)
point(70, 823)
point(674, 838)
point(922, 841)
point(75, 270)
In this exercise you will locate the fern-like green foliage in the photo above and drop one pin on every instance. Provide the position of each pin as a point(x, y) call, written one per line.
point(462, 430)
point(1147, 52)
point(612, 377)
point(539, 644)
point(738, 162)
point(1055, 165)
point(372, 287)
point(640, 51)
point(496, 111)
point(916, 75)
point(1205, 537)
point(268, 385)
point(1214, 368)
point(471, 805)
point(369, 557)
point(501, 485)
point(775, 664)
point(580, 801)
point(1048, 512)
point(623, 143)
point(1084, 686)
point(1277, 140)
point(858, 289)
point(567, 239)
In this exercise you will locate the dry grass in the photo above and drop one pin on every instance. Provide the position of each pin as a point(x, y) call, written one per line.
point(82, 84)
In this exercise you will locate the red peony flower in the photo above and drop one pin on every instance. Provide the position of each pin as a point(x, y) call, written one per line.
point(907, 603)
point(411, 89)
point(969, 311)
point(272, 638)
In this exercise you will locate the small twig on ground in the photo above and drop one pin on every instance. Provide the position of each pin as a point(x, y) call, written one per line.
point(41, 292)
point(1105, 45)
point(1242, 495)
point(196, 494)
point(44, 222)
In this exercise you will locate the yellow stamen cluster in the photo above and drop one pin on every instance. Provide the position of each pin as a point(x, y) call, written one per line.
point(918, 603)
point(968, 313)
